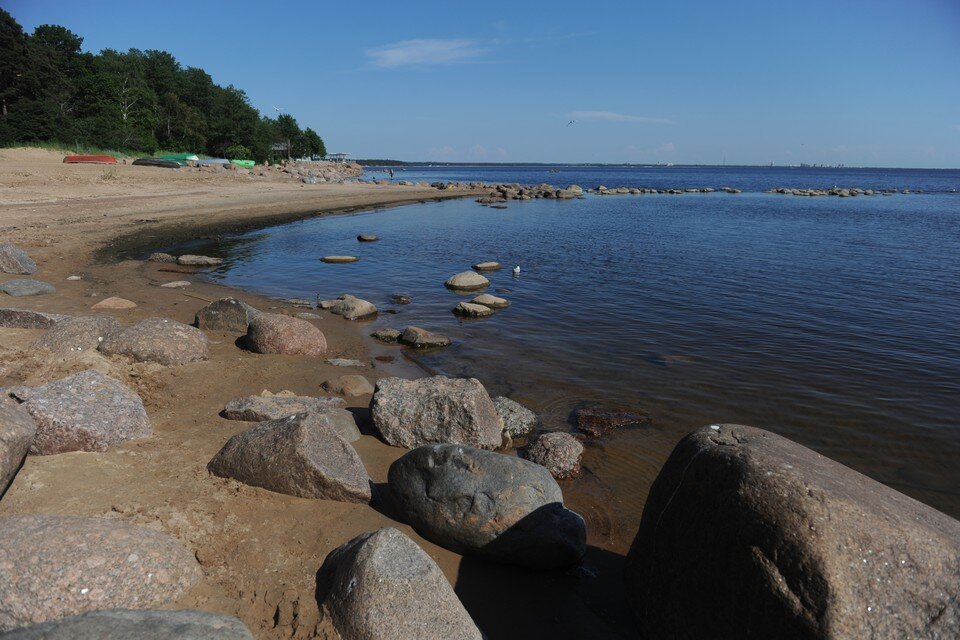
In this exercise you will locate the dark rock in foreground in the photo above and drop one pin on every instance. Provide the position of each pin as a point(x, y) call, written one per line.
point(15, 260)
point(409, 413)
point(226, 314)
point(274, 407)
point(53, 566)
point(295, 456)
point(487, 504)
point(773, 540)
point(80, 333)
point(597, 422)
point(17, 430)
point(86, 411)
point(382, 586)
point(161, 340)
point(276, 333)
point(559, 452)
point(27, 319)
point(26, 287)
point(128, 624)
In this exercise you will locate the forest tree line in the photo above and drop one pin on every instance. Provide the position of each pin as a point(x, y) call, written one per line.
point(142, 101)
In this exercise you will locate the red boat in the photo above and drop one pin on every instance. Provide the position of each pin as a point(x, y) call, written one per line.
point(90, 159)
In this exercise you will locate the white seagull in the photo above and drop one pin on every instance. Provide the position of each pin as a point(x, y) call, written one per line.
point(516, 270)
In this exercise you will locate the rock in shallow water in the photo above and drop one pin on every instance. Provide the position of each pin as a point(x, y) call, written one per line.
point(352, 308)
point(87, 411)
point(518, 421)
point(130, 624)
point(773, 540)
point(487, 504)
point(597, 422)
point(386, 335)
point(486, 266)
point(493, 302)
point(160, 340)
point(409, 413)
point(559, 452)
point(470, 310)
point(22, 287)
point(423, 339)
point(17, 431)
point(199, 261)
point(466, 281)
point(15, 260)
point(226, 314)
point(339, 259)
point(296, 456)
point(53, 566)
point(382, 586)
point(275, 333)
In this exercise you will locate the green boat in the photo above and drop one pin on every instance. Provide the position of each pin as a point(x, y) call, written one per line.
point(246, 164)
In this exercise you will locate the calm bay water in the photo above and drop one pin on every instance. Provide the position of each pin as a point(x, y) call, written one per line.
point(835, 322)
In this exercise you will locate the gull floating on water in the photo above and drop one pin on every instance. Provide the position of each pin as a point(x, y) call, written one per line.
point(516, 270)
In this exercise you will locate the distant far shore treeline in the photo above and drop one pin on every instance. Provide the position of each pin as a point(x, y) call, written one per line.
point(140, 101)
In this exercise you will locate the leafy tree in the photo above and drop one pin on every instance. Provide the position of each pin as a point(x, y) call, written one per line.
point(237, 152)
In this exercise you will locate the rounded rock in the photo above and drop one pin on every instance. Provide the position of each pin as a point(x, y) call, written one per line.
point(466, 281)
point(559, 452)
point(339, 259)
point(275, 333)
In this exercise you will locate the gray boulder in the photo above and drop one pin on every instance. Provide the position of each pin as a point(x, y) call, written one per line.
point(162, 258)
point(558, 451)
point(409, 413)
point(275, 333)
point(382, 586)
point(199, 261)
point(17, 431)
point(471, 310)
point(487, 504)
point(15, 260)
point(226, 314)
point(274, 407)
point(53, 566)
point(466, 281)
point(21, 287)
point(423, 339)
point(773, 540)
point(386, 335)
point(80, 333)
point(296, 456)
point(27, 319)
point(126, 624)
point(494, 302)
point(518, 421)
point(348, 385)
point(86, 411)
point(353, 308)
point(161, 340)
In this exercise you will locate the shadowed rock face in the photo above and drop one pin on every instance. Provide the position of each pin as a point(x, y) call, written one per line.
point(161, 340)
point(123, 624)
point(773, 540)
point(382, 586)
point(226, 314)
point(27, 319)
point(518, 421)
point(295, 456)
point(13, 259)
point(276, 333)
point(409, 413)
point(17, 431)
point(487, 504)
point(54, 566)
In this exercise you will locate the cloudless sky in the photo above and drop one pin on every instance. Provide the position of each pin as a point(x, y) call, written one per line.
point(858, 82)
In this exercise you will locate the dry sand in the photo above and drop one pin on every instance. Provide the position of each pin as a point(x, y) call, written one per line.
point(259, 550)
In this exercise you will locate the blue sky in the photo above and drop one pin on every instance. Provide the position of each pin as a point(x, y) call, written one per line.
point(688, 81)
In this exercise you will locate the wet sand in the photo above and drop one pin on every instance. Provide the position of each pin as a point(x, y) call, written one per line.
point(259, 550)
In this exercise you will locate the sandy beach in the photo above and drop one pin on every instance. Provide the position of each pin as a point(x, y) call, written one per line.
point(259, 550)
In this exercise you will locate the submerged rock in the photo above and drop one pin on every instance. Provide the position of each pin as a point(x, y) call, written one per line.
point(559, 452)
point(487, 504)
point(400, 298)
point(17, 431)
point(518, 421)
point(773, 540)
point(386, 335)
point(27, 319)
point(275, 333)
point(296, 456)
point(226, 314)
point(470, 310)
point(129, 624)
point(160, 340)
point(409, 413)
point(422, 339)
point(382, 586)
point(466, 280)
point(339, 259)
point(80, 333)
point(53, 566)
point(86, 411)
point(15, 260)
point(22, 287)
point(493, 302)
point(597, 422)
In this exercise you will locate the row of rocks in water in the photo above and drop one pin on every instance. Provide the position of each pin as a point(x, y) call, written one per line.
point(840, 192)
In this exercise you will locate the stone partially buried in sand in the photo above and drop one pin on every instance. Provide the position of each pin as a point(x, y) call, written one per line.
point(129, 624)
point(53, 566)
point(382, 586)
point(86, 411)
point(22, 287)
point(27, 319)
point(295, 456)
point(114, 303)
point(17, 431)
point(80, 333)
point(773, 540)
point(466, 281)
point(487, 504)
point(274, 407)
point(280, 334)
point(348, 385)
point(176, 284)
point(226, 314)
point(15, 260)
point(160, 340)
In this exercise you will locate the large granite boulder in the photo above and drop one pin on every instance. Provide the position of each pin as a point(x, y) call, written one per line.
point(276, 333)
point(161, 340)
point(422, 339)
point(296, 456)
point(773, 540)
point(131, 624)
point(558, 451)
point(382, 586)
point(80, 333)
point(518, 421)
point(53, 566)
point(487, 504)
point(86, 411)
point(15, 260)
point(466, 281)
point(226, 314)
point(409, 413)
point(27, 319)
point(17, 431)
point(274, 407)
point(26, 287)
